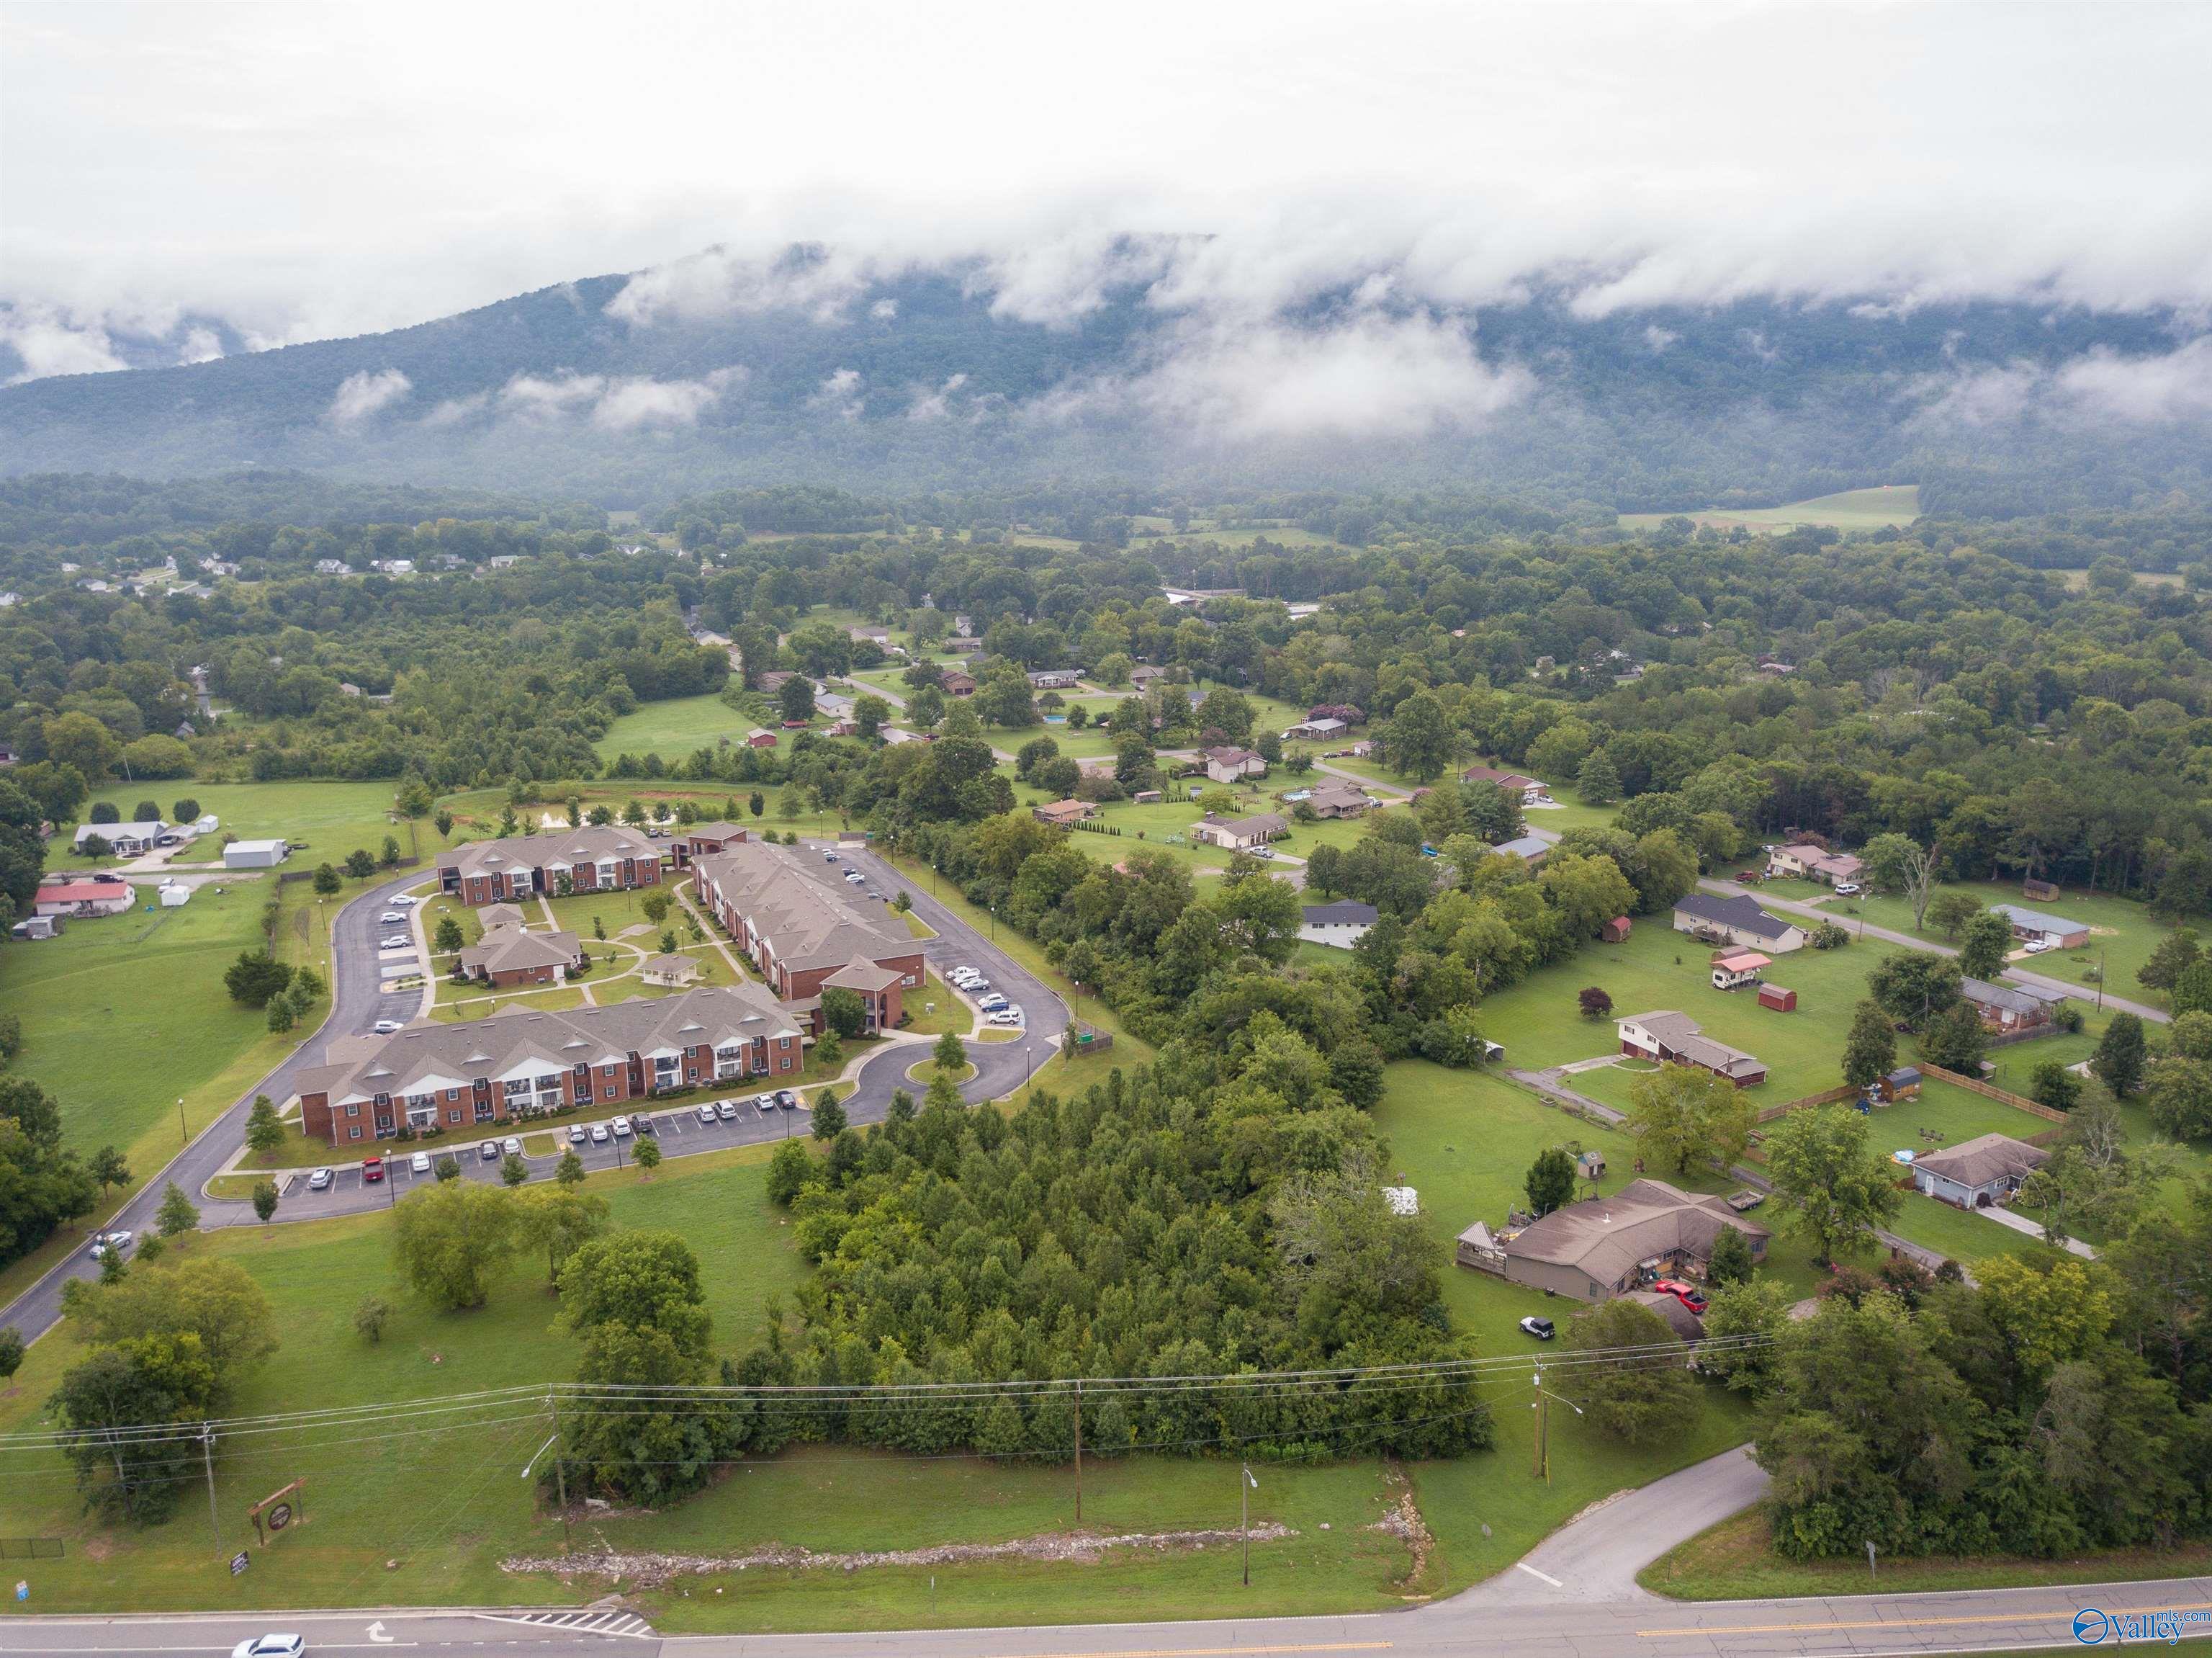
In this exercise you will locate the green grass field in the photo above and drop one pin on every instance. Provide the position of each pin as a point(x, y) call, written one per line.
point(2123, 932)
point(1870, 508)
point(1732, 1561)
point(673, 729)
point(333, 819)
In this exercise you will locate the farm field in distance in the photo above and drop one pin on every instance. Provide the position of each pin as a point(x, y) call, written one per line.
point(1877, 507)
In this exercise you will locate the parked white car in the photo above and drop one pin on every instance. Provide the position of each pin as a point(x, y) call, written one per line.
point(853, 877)
point(707, 1115)
point(1004, 1017)
point(575, 1134)
point(117, 1241)
point(419, 1163)
point(402, 900)
point(392, 918)
point(598, 1134)
point(511, 1146)
point(1846, 889)
point(2037, 945)
point(621, 1126)
point(320, 1180)
point(994, 1002)
point(397, 942)
point(386, 1026)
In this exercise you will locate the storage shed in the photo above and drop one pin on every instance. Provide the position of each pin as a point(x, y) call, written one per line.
point(1773, 997)
point(255, 853)
point(1616, 930)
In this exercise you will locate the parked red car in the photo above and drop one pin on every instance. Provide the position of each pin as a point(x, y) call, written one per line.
point(372, 1170)
point(1688, 1293)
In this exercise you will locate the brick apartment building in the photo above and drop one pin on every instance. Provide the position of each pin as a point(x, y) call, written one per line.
point(509, 954)
point(524, 1062)
point(691, 845)
point(806, 938)
point(596, 858)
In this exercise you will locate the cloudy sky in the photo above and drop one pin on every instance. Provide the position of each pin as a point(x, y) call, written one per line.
point(302, 171)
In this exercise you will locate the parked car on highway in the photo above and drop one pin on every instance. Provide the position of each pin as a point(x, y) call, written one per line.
point(1539, 1328)
point(489, 1151)
point(419, 1163)
point(386, 1026)
point(372, 1170)
point(320, 1180)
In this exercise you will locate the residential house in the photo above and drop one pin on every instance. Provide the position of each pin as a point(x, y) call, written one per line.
point(1341, 925)
point(1063, 813)
point(1605, 1248)
point(595, 858)
point(957, 684)
point(1531, 849)
point(1531, 791)
point(1808, 862)
point(773, 680)
point(1350, 713)
point(510, 955)
point(1982, 1172)
point(1055, 679)
point(256, 854)
point(681, 972)
point(96, 894)
point(806, 937)
point(1737, 920)
point(1675, 1038)
point(1234, 764)
point(875, 635)
point(964, 644)
point(330, 567)
point(2009, 1007)
point(1239, 834)
point(125, 840)
point(1734, 969)
point(1145, 676)
point(2032, 925)
point(1323, 730)
point(524, 1062)
point(694, 843)
point(1338, 799)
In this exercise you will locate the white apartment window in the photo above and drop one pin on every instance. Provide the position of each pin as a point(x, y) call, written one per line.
point(354, 1133)
point(353, 1107)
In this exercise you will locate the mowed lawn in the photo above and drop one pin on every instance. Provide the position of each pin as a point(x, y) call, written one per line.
point(2123, 933)
point(124, 1014)
point(675, 727)
point(333, 819)
point(1540, 1024)
point(1875, 507)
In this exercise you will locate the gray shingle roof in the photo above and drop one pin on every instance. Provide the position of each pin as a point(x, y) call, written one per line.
point(1988, 1157)
point(1607, 1236)
point(1739, 912)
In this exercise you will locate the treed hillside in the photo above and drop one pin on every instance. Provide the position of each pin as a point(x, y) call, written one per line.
point(920, 383)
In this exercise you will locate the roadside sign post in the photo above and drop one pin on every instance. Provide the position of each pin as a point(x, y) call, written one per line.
point(1870, 1553)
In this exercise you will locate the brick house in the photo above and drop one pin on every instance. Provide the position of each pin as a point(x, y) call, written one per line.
point(1610, 1246)
point(509, 954)
point(1531, 791)
point(1811, 863)
point(526, 1063)
point(957, 684)
point(1239, 834)
point(1675, 1038)
point(595, 858)
point(802, 936)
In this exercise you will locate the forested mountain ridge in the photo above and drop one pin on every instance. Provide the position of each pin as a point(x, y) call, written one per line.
point(929, 380)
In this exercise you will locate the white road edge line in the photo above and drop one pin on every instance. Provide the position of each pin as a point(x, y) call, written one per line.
point(1522, 1565)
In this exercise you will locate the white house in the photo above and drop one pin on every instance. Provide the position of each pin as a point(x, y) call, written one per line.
point(1234, 764)
point(1342, 923)
point(128, 840)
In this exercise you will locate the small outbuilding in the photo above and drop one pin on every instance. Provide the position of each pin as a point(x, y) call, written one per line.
point(671, 970)
point(1734, 969)
point(174, 894)
point(1774, 999)
point(1903, 1083)
point(255, 853)
point(1616, 931)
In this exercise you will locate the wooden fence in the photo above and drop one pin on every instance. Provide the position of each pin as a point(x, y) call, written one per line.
point(1989, 1091)
point(1831, 1097)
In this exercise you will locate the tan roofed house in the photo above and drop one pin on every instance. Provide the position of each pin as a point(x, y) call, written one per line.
point(1610, 1246)
point(1239, 834)
point(678, 970)
point(1676, 1039)
point(509, 954)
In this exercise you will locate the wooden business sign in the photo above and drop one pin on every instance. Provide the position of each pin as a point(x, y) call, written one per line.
point(279, 1510)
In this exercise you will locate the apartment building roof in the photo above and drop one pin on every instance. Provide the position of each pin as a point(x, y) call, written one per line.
point(518, 1042)
point(803, 925)
point(554, 848)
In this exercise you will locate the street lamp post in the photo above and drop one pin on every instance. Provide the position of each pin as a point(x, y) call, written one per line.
point(1245, 1487)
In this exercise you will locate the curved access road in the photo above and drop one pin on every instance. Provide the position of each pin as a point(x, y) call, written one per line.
point(357, 1002)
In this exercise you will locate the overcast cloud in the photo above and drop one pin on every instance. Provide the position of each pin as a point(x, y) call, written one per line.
point(305, 170)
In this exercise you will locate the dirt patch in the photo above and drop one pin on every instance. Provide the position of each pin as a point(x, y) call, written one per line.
point(1068, 1548)
point(1404, 1521)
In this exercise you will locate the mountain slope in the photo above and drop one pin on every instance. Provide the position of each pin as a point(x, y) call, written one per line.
point(926, 380)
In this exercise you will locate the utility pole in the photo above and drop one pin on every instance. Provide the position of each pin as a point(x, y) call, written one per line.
point(1540, 1465)
point(207, 1458)
point(1078, 1451)
point(560, 1472)
point(1245, 1487)
point(2100, 979)
point(183, 1134)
